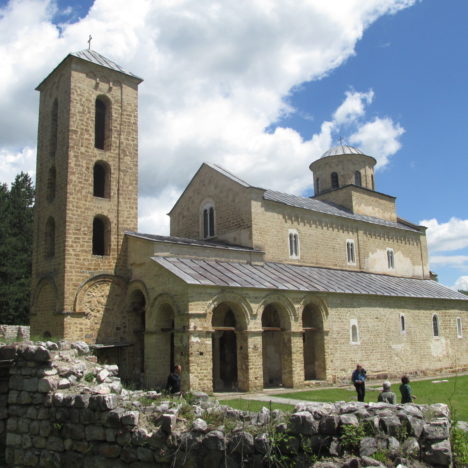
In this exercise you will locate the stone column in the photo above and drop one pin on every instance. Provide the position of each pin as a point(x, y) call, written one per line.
point(249, 360)
point(198, 374)
point(297, 353)
point(292, 358)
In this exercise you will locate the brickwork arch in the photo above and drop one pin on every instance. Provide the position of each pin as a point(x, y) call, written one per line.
point(314, 319)
point(44, 321)
point(240, 306)
point(286, 309)
point(102, 300)
point(277, 315)
point(156, 316)
point(161, 339)
point(320, 305)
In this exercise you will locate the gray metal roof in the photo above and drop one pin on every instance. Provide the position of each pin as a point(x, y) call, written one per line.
point(229, 174)
point(342, 149)
point(287, 277)
point(191, 242)
point(328, 208)
point(98, 59)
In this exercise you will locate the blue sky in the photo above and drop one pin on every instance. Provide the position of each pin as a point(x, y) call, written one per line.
point(263, 90)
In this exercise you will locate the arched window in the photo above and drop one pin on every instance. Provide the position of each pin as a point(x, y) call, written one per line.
point(293, 244)
point(435, 325)
point(357, 179)
point(354, 331)
point(102, 123)
point(208, 220)
point(317, 186)
point(53, 128)
point(390, 259)
point(101, 180)
point(51, 184)
point(372, 181)
point(49, 238)
point(101, 236)
point(459, 328)
point(335, 183)
point(402, 323)
point(350, 252)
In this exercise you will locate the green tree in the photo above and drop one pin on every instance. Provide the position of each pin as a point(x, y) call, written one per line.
point(463, 292)
point(16, 235)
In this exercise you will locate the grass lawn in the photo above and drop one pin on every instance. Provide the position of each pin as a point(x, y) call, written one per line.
point(453, 392)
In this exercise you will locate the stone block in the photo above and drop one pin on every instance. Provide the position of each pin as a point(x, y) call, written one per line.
point(303, 422)
point(103, 402)
point(95, 433)
point(437, 429)
point(109, 450)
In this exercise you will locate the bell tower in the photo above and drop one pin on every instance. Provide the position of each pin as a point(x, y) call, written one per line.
point(86, 193)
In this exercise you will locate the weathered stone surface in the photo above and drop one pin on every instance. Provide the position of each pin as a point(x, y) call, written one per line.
point(437, 429)
point(199, 425)
point(214, 440)
point(303, 422)
point(109, 450)
point(369, 461)
point(410, 447)
point(81, 347)
point(103, 402)
point(440, 453)
point(95, 433)
point(329, 424)
point(349, 420)
point(167, 422)
point(130, 418)
point(241, 442)
point(144, 454)
point(391, 425)
point(55, 443)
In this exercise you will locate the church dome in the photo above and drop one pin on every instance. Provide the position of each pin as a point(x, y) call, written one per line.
point(341, 149)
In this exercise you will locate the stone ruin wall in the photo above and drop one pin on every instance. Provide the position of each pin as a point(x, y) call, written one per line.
point(59, 407)
point(15, 332)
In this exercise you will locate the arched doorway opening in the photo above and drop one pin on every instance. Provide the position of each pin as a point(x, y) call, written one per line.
point(224, 349)
point(165, 325)
point(276, 346)
point(314, 344)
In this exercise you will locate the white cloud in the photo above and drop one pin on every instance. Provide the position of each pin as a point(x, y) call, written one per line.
point(217, 74)
point(12, 163)
point(379, 138)
point(461, 283)
point(449, 236)
point(449, 260)
point(352, 107)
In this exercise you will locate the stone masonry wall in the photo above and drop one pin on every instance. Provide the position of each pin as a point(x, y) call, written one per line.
point(15, 332)
point(60, 408)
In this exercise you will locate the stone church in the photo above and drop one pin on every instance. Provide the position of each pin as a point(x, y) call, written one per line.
point(253, 288)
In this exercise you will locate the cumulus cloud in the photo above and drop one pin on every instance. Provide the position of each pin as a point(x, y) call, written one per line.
point(449, 236)
point(379, 138)
point(352, 107)
point(12, 163)
point(461, 284)
point(217, 74)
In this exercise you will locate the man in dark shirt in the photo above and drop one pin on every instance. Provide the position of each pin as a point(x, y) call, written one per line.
point(173, 381)
point(359, 381)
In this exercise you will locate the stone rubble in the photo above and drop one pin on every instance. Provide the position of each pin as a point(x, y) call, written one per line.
point(59, 407)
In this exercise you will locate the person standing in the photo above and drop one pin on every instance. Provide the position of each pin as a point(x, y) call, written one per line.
point(173, 380)
point(387, 396)
point(359, 380)
point(406, 391)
